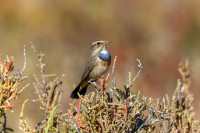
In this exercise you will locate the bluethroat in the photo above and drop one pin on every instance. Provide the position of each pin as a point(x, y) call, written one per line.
point(97, 65)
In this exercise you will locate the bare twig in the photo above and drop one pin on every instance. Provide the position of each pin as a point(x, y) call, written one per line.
point(140, 68)
point(24, 61)
point(113, 69)
point(26, 86)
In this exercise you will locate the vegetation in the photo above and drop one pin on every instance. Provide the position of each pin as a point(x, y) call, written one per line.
point(108, 109)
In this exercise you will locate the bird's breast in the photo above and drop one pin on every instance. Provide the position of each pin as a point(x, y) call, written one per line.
point(105, 56)
point(100, 68)
point(104, 63)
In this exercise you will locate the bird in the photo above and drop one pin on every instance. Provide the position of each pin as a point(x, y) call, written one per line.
point(97, 65)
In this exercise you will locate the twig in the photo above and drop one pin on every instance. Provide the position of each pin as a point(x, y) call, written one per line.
point(129, 80)
point(24, 61)
point(171, 126)
point(41, 64)
point(140, 68)
point(27, 85)
point(113, 69)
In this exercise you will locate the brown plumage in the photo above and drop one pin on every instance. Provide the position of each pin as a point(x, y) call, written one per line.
point(95, 67)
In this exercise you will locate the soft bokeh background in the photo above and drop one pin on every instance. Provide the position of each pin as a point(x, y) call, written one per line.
point(159, 33)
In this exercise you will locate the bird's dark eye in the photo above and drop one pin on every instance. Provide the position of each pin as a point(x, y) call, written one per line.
point(98, 43)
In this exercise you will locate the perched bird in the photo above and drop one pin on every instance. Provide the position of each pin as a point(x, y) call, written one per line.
point(98, 64)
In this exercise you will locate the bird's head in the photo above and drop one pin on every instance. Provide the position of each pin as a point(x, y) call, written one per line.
point(97, 46)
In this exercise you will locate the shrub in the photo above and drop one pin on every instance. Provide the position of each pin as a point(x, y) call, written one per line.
point(110, 109)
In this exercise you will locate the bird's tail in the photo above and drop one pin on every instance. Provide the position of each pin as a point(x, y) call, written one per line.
point(81, 88)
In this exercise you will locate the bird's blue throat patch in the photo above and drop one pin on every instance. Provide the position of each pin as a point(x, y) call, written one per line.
point(105, 56)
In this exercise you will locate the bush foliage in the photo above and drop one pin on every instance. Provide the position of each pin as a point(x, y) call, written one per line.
point(108, 109)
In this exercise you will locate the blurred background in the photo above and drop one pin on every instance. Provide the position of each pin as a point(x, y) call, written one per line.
point(159, 33)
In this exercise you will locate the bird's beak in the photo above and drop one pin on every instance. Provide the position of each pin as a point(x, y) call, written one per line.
point(109, 42)
point(105, 42)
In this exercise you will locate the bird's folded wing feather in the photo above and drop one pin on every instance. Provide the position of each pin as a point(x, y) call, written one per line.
point(90, 65)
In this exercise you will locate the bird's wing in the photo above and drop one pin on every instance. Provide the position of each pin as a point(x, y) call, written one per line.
point(90, 65)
